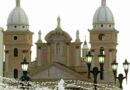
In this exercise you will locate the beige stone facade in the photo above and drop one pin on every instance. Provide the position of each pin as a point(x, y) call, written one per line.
point(15, 43)
point(59, 57)
point(107, 39)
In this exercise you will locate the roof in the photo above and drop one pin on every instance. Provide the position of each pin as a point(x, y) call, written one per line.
point(56, 68)
point(17, 16)
point(103, 15)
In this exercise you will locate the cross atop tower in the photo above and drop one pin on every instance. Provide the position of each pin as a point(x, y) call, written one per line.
point(17, 3)
point(103, 2)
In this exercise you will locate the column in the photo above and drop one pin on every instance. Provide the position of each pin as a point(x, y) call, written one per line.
point(49, 53)
point(39, 56)
point(77, 56)
point(6, 62)
point(68, 54)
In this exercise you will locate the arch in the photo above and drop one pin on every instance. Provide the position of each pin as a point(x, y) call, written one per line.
point(15, 73)
point(102, 50)
point(15, 52)
point(100, 36)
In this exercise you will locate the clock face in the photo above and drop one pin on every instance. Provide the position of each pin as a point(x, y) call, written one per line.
point(101, 36)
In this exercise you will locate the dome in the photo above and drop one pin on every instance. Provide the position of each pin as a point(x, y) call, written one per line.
point(17, 16)
point(85, 46)
point(103, 17)
point(58, 32)
point(55, 33)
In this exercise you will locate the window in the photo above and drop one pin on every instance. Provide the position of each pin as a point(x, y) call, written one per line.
point(101, 25)
point(101, 36)
point(57, 48)
point(102, 50)
point(15, 73)
point(15, 37)
point(15, 52)
point(15, 26)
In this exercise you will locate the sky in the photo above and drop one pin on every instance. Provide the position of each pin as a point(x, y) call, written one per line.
point(75, 15)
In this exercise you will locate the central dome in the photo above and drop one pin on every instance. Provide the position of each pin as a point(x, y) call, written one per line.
point(57, 32)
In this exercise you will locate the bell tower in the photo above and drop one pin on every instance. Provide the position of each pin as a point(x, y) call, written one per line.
point(17, 40)
point(104, 35)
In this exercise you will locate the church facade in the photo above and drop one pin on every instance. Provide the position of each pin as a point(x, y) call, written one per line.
point(59, 57)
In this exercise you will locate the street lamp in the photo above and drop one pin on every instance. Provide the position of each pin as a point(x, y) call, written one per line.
point(126, 67)
point(120, 76)
point(88, 60)
point(114, 68)
point(95, 71)
point(101, 57)
point(25, 78)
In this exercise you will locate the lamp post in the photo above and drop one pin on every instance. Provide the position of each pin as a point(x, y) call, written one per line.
point(25, 78)
point(88, 60)
point(95, 71)
point(120, 76)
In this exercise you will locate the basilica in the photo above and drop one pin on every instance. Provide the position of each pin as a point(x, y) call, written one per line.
point(59, 57)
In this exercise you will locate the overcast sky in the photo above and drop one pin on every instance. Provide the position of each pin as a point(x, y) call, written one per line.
point(75, 15)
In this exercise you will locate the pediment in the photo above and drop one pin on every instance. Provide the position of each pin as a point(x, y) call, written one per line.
point(56, 71)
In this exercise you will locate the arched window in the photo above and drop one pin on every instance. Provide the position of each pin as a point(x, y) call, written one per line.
point(15, 26)
point(101, 25)
point(15, 37)
point(57, 48)
point(15, 52)
point(15, 73)
point(102, 50)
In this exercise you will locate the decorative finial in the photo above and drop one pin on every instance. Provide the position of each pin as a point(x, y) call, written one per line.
point(85, 42)
point(77, 36)
point(39, 34)
point(85, 46)
point(17, 3)
point(103, 2)
point(58, 21)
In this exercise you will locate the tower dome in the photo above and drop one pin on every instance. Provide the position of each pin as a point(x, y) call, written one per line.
point(17, 19)
point(103, 17)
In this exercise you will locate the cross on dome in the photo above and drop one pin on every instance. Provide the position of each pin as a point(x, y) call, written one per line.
point(17, 3)
point(103, 2)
